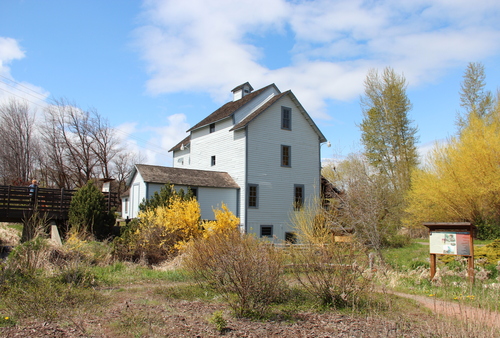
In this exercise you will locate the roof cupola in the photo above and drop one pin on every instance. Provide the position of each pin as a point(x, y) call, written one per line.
point(241, 91)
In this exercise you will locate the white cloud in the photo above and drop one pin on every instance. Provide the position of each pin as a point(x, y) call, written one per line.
point(154, 142)
point(9, 50)
point(200, 45)
point(426, 149)
point(9, 87)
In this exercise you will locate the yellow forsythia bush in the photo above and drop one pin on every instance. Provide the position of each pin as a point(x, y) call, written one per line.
point(162, 231)
point(225, 221)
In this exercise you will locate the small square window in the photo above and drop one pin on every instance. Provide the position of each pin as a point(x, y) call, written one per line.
point(286, 118)
point(290, 238)
point(213, 161)
point(266, 231)
point(286, 156)
point(253, 191)
point(212, 127)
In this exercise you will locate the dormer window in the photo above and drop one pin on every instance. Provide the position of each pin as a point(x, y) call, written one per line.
point(212, 127)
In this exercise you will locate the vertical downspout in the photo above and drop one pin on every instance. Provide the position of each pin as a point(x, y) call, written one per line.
point(319, 156)
point(245, 206)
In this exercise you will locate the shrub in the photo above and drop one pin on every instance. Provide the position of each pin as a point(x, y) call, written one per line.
point(26, 260)
point(77, 274)
point(46, 299)
point(89, 252)
point(246, 271)
point(218, 321)
point(159, 231)
point(225, 222)
point(491, 252)
point(88, 214)
point(333, 272)
point(487, 230)
point(35, 225)
point(396, 241)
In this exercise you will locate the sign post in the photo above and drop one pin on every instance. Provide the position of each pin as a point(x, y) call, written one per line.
point(452, 239)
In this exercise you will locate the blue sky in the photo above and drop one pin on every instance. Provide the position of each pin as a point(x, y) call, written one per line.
point(155, 68)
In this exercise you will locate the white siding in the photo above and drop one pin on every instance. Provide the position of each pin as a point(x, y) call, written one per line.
point(276, 183)
point(125, 207)
point(181, 158)
point(229, 150)
point(212, 198)
point(254, 104)
point(137, 194)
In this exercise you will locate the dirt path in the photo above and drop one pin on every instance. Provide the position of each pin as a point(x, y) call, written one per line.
point(469, 313)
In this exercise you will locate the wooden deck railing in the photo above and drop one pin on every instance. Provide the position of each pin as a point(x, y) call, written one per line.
point(18, 203)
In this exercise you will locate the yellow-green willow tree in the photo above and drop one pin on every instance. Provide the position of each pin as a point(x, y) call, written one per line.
point(461, 179)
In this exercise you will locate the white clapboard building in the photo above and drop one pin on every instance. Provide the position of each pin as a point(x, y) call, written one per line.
point(259, 154)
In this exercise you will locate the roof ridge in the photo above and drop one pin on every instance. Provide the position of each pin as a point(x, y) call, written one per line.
point(229, 108)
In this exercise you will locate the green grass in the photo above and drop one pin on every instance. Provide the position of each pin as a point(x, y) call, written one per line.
point(124, 273)
point(453, 283)
point(407, 258)
point(186, 292)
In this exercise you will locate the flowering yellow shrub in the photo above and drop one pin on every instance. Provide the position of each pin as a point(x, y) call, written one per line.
point(161, 229)
point(225, 221)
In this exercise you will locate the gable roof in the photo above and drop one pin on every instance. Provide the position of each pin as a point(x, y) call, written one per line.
point(241, 87)
point(181, 176)
point(184, 143)
point(273, 100)
point(229, 108)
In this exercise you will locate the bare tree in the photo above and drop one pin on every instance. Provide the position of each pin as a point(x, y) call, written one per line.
point(105, 144)
point(69, 139)
point(367, 204)
point(123, 164)
point(19, 146)
point(80, 146)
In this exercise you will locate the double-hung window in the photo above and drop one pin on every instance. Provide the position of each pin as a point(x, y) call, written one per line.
point(298, 196)
point(253, 195)
point(212, 161)
point(286, 156)
point(212, 127)
point(286, 118)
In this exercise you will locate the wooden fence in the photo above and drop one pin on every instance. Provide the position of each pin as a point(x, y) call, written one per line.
point(18, 203)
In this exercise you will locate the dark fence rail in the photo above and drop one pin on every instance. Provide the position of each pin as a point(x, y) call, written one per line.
point(18, 203)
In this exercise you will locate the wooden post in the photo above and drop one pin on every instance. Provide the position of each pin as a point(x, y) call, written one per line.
point(470, 259)
point(433, 265)
point(61, 203)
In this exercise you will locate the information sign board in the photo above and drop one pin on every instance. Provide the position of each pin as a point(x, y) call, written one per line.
point(450, 243)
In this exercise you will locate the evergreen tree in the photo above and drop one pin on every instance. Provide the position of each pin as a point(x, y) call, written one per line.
point(88, 214)
point(163, 198)
point(388, 135)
